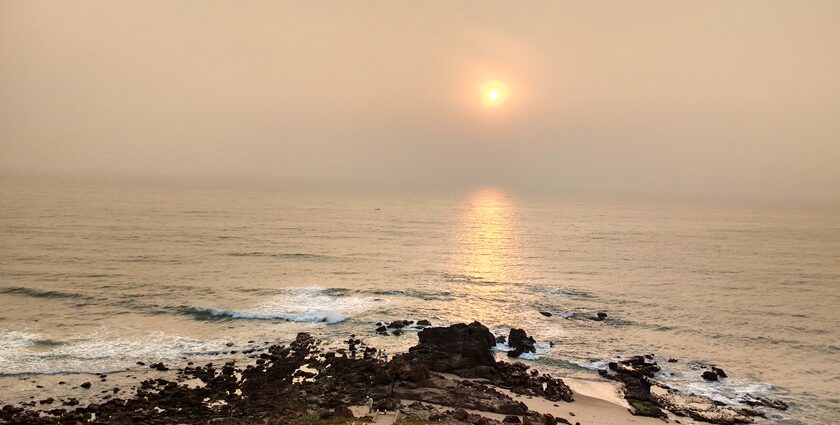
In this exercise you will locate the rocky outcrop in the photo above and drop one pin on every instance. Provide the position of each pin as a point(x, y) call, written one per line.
point(460, 349)
point(520, 343)
point(638, 373)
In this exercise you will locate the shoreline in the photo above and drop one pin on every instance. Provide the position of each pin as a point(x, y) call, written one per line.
point(450, 375)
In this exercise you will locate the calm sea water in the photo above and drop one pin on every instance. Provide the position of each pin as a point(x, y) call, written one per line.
point(94, 277)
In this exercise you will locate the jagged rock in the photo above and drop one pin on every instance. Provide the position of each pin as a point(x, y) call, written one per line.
point(520, 342)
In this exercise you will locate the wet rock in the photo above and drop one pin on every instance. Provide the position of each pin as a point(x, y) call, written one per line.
point(424, 323)
point(753, 401)
point(546, 314)
point(382, 330)
point(600, 317)
point(85, 385)
point(672, 360)
point(710, 375)
point(521, 343)
point(511, 420)
point(398, 324)
point(159, 366)
point(720, 372)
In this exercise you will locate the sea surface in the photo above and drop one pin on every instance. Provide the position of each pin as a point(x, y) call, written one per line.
point(97, 276)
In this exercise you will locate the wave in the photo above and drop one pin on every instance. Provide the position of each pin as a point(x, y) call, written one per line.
point(542, 348)
point(283, 255)
point(423, 295)
point(38, 293)
point(104, 351)
point(201, 313)
point(549, 290)
point(312, 305)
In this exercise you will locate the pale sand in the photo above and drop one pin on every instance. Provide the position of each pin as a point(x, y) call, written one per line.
point(595, 403)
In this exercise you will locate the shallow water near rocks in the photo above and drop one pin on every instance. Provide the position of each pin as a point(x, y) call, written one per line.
point(94, 278)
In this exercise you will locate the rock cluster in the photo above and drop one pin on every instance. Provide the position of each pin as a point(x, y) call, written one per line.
point(286, 382)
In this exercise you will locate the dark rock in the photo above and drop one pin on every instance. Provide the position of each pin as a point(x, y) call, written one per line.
point(85, 385)
point(520, 342)
point(398, 324)
point(720, 373)
point(513, 408)
point(749, 400)
point(159, 366)
point(672, 360)
point(600, 317)
point(424, 323)
point(546, 314)
point(709, 375)
point(511, 420)
point(455, 347)
point(343, 411)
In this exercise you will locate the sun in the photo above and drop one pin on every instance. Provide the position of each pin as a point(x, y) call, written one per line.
point(494, 93)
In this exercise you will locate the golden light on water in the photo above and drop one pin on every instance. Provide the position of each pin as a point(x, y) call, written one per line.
point(494, 93)
point(487, 241)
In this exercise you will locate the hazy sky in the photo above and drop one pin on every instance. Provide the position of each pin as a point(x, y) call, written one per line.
point(733, 97)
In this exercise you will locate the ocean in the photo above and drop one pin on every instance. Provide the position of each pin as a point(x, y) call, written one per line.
point(95, 277)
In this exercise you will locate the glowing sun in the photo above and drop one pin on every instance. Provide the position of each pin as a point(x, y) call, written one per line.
point(494, 93)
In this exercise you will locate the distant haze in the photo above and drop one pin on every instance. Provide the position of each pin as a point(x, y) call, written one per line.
point(717, 97)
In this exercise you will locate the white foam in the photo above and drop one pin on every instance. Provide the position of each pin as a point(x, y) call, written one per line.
point(104, 351)
point(541, 347)
point(313, 305)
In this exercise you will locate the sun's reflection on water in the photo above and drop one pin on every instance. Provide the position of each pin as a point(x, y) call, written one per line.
point(487, 242)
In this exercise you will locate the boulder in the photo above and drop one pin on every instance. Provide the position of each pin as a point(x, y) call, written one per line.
point(520, 342)
point(710, 375)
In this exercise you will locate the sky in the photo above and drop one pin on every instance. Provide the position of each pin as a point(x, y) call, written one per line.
point(715, 97)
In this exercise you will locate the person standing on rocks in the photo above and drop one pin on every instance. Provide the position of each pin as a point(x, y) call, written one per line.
point(370, 404)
